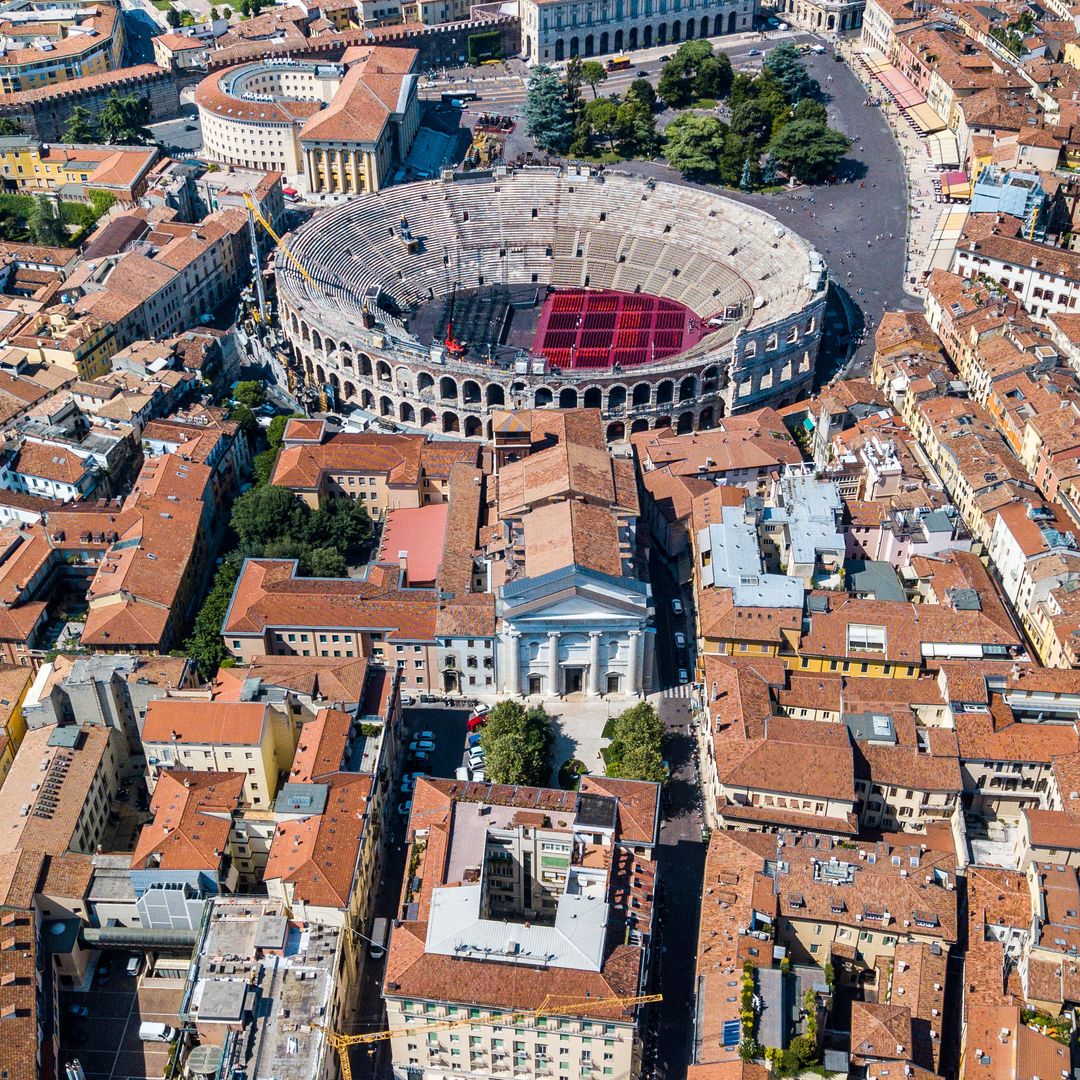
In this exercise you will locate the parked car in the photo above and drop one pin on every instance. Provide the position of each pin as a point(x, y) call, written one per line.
point(421, 744)
point(477, 722)
point(412, 777)
point(478, 775)
point(403, 808)
point(684, 678)
point(680, 640)
point(473, 740)
point(134, 965)
point(477, 758)
point(420, 756)
point(407, 699)
point(676, 605)
point(407, 785)
point(425, 735)
point(480, 709)
point(78, 1010)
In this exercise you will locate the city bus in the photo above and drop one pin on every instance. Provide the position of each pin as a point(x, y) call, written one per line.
point(619, 63)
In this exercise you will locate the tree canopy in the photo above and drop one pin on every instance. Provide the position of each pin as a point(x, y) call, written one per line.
point(548, 120)
point(82, 126)
point(637, 738)
point(45, 224)
point(694, 145)
point(517, 745)
point(123, 120)
point(809, 150)
point(695, 71)
point(775, 114)
point(594, 73)
point(786, 65)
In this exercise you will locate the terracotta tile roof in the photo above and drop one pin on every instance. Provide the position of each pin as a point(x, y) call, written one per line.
point(216, 723)
point(800, 757)
point(420, 532)
point(268, 594)
point(369, 95)
point(53, 832)
point(413, 973)
point(50, 463)
point(461, 612)
point(997, 736)
point(566, 533)
point(1021, 1054)
point(638, 806)
point(568, 470)
point(880, 1032)
point(397, 457)
point(750, 441)
point(919, 973)
point(907, 628)
point(192, 818)
point(322, 678)
point(317, 854)
point(322, 747)
point(720, 618)
point(19, 974)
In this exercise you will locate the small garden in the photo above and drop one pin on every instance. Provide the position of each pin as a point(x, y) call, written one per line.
point(37, 219)
point(1058, 1028)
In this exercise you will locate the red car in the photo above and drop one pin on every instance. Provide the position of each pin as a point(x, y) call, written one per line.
point(477, 721)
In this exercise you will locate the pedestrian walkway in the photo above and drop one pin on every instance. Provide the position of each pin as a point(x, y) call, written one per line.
point(924, 211)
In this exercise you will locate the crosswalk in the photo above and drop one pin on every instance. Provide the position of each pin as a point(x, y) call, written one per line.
point(684, 691)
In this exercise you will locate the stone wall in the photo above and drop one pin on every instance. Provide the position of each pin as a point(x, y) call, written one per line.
point(44, 112)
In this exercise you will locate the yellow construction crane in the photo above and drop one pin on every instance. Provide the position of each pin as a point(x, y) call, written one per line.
point(550, 1007)
point(258, 215)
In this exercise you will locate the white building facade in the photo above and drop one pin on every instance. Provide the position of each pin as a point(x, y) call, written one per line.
point(553, 30)
point(575, 631)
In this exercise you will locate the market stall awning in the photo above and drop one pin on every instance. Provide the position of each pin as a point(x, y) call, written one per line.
point(925, 119)
point(956, 185)
point(900, 87)
point(944, 152)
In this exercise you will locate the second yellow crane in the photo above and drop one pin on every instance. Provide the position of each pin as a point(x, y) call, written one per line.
point(550, 1007)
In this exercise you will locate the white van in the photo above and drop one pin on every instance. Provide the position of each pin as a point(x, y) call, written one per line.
point(151, 1032)
point(380, 931)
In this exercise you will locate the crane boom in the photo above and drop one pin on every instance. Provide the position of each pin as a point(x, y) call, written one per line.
point(258, 215)
point(342, 1042)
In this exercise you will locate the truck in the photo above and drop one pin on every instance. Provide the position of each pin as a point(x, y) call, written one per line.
point(380, 931)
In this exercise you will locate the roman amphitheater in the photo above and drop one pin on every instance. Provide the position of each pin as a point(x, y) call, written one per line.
point(662, 305)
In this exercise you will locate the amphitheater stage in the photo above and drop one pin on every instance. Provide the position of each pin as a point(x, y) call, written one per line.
point(489, 320)
point(600, 328)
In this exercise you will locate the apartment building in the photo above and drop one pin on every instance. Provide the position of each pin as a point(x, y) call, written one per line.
point(292, 965)
point(850, 902)
point(522, 893)
point(14, 685)
point(179, 274)
point(34, 167)
point(254, 738)
point(195, 833)
point(52, 41)
point(383, 472)
point(60, 789)
point(274, 612)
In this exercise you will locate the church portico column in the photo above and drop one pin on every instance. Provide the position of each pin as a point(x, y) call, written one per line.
point(633, 677)
point(594, 663)
point(554, 690)
point(512, 659)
